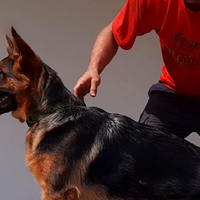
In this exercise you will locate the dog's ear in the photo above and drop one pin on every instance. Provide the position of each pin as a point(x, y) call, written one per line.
point(20, 46)
point(72, 193)
point(11, 48)
point(26, 61)
point(9, 45)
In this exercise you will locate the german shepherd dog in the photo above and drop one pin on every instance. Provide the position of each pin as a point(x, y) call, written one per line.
point(79, 152)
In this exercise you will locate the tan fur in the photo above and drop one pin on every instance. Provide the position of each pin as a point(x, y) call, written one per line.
point(21, 90)
point(39, 165)
point(71, 193)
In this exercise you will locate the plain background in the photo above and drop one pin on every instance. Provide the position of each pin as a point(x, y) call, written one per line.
point(62, 33)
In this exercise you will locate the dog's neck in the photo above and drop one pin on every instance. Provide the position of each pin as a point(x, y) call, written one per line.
point(53, 96)
point(39, 115)
point(53, 90)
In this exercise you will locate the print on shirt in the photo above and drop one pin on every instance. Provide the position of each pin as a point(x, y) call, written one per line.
point(185, 52)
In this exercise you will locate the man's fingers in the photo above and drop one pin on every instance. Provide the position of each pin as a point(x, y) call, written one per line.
point(88, 83)
point(93, 92)
point(77, 90)
point(94, 84)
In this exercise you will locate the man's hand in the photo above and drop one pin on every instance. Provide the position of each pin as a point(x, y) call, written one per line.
point(88, 83)
point(104, 50)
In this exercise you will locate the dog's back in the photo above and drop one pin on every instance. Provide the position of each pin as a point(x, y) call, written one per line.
point(124, 159)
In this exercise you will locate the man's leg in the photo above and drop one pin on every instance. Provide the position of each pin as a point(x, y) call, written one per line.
point(164, 125)
point(168, 112)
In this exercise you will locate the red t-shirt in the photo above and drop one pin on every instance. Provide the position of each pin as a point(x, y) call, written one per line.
point(179, 31)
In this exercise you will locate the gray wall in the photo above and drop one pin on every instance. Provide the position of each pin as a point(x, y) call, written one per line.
point(62, 33)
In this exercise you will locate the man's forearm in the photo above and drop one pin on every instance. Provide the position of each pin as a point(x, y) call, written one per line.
point(104, 50)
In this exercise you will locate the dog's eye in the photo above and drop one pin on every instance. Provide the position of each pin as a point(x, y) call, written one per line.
point(1, 74)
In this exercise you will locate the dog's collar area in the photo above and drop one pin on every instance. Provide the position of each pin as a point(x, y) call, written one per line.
point(35, 117)
point(39, 115)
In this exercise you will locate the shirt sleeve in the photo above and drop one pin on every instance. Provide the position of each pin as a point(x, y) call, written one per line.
point(136, 18)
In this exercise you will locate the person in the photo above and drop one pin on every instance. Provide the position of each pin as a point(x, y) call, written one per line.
point(174, 101)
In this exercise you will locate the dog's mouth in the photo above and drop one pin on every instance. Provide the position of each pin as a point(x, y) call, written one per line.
point(7, 102)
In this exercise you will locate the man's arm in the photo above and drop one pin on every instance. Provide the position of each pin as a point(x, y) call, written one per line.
point(104, 50)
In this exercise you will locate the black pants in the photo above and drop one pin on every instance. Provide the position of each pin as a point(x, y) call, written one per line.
point(171, 112)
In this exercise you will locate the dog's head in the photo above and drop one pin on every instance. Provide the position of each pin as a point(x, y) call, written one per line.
point(19, 75)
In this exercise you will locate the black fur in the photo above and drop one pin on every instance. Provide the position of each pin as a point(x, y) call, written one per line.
point(135, 161)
